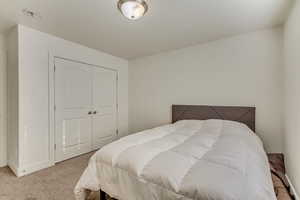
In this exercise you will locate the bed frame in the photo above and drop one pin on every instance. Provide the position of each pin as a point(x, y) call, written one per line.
point(245, 115)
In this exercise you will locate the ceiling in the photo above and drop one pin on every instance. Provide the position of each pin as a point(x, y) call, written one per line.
point(169, 24)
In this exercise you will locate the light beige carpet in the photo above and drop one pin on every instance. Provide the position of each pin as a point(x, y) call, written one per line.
point(54, 183)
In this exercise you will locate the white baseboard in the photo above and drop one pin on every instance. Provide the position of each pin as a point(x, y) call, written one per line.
point(293, 188)
point(13, 168)
point(19, 172)
point(3, 164)
point(3, 161)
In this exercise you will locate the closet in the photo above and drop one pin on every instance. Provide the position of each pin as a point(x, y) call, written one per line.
point(64, 100)
point(85, 107)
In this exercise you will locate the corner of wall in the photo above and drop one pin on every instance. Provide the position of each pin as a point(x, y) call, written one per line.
point(3, 102)
point(292, 95)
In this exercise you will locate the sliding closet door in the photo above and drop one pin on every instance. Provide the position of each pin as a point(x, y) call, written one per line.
point(73, 112)
point(105, 106)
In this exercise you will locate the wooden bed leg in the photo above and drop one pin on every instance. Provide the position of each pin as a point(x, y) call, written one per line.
point(102, 195)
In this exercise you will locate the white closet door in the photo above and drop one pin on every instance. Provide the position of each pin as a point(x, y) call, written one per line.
point(105, 106)
point(73, 101)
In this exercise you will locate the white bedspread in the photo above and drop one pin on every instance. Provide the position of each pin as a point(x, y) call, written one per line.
point(191, 159)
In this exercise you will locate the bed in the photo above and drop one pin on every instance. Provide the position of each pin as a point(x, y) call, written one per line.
point(208, 152)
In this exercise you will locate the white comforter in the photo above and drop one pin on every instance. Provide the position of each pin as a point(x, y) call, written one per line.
point(191, 159)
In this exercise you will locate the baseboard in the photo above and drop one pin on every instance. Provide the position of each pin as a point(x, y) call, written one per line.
point(13, 168)
point(293, 188)
point(3, 163)
point(33, 168)
point(19, 172)
point(3, 157)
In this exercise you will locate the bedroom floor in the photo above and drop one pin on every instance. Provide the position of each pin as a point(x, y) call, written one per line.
point(55, 183)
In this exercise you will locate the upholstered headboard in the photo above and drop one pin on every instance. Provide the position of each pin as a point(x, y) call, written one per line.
point(245, 115)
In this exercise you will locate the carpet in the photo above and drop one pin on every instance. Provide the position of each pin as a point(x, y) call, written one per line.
point(54, 183)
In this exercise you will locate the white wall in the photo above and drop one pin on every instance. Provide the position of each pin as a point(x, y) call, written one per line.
point(292, 96)
point(244, 70)
point(3, 110)
point(34, 77)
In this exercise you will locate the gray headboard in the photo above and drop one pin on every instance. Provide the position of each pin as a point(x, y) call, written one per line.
point(245, 115)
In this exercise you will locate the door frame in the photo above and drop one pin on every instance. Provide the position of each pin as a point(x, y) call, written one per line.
point(51, 79)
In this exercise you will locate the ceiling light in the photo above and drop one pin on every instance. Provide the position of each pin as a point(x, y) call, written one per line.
point(133, 9)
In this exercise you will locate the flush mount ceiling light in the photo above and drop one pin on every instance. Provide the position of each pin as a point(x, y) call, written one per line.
point(133, 9)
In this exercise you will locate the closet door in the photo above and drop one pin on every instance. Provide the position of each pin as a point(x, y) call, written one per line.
point(73, 112)
point(105, 106)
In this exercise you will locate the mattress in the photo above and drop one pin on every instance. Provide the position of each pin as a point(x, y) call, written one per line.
point(191, 159)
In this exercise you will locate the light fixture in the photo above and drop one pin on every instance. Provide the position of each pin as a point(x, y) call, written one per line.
point(133, 9)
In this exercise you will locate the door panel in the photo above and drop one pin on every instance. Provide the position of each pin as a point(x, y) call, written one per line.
point(73, 130)
point(105, 106)
point(73, 100)
point(104, 126)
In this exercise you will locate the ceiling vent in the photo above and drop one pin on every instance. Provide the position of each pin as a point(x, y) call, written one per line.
point(32, 14)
